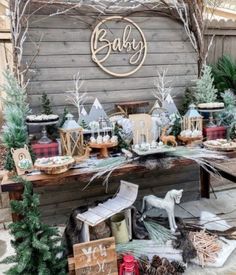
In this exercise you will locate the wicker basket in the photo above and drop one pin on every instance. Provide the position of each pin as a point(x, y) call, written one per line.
point(219, 148)
point(55, 168)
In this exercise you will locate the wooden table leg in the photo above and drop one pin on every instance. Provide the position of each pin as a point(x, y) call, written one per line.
point(205, 183)
point(17, 195)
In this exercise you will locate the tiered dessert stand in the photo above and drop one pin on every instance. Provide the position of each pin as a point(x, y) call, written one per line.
point(211, 118)
point(44, 139)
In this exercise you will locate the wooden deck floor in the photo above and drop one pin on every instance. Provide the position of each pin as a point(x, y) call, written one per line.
point(222, 204)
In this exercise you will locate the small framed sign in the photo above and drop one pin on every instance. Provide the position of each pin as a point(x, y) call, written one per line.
point(96, 257)
point(22, 160)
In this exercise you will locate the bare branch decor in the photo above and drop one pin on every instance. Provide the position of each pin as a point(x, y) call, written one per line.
point(76, 97)
point(162, 88)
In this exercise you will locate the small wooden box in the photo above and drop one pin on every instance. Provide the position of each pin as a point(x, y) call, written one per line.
point(45, 150)
point(217, 132)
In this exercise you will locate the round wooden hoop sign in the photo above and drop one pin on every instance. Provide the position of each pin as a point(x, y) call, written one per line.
point(102, 47)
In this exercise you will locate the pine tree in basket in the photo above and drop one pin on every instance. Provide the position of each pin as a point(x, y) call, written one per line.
point(15, 111)
point(46, 105)
point(205, 89)
point(37, 245)
point(47, 110)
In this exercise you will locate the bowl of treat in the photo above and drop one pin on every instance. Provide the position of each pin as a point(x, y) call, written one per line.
point(223, 145)
point(54, 165)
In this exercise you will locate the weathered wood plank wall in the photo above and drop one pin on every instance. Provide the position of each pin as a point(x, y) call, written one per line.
point(65, 49)
point(224, 39)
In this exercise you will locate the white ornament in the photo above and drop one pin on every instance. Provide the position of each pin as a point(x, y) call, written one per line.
point(99, 139)
point(153, 144)
point(93, 140)
point(106, 138)
point(114, 139)
point(144, 146)
point(187, 133)
point(196, 133)
point(168, 203)
point(136, 146)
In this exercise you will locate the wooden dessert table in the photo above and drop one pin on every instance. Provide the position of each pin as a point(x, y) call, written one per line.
point(226, 168)
point(59, 194)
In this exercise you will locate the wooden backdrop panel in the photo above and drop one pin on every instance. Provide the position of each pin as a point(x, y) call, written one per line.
point(64, 49)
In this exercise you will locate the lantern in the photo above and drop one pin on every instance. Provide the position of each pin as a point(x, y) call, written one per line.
point(71, 135)
point(129, 266)
point(192, 122)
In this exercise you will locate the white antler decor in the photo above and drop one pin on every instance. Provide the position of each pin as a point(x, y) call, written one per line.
point(168, 203)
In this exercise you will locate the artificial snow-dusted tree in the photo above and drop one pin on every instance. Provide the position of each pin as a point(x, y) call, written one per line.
point(37, 245)
point(205, 90)
point(15, 111)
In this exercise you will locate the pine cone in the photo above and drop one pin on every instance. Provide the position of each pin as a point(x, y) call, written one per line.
point(170, 269)
point(145, 264)
point(161, 270)
point(165, 262)
point(156, 261)
point(179, 267)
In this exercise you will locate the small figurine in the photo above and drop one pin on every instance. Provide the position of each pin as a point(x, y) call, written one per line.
point(168, 203)
point(165, 139)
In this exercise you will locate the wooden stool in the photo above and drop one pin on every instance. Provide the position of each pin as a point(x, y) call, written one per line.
point(131, 106)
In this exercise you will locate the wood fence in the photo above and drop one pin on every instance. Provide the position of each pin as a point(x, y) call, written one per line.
point(224, 39)
point(5, 47)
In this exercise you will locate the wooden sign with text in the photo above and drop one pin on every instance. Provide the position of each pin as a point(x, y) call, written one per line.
point(96, 257)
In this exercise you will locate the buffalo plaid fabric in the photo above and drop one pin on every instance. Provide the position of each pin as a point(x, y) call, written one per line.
point(214, 132)
point(45, 150)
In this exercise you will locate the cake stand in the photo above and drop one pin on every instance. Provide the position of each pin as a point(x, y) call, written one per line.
point(103, 148)
point(211, 118)
point(44, 139)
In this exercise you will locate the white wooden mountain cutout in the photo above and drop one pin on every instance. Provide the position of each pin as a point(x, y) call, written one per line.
point(169, 105)
point(96, 111)
point(83, 116)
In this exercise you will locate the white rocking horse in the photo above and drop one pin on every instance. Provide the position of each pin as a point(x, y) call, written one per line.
point(168, 203)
